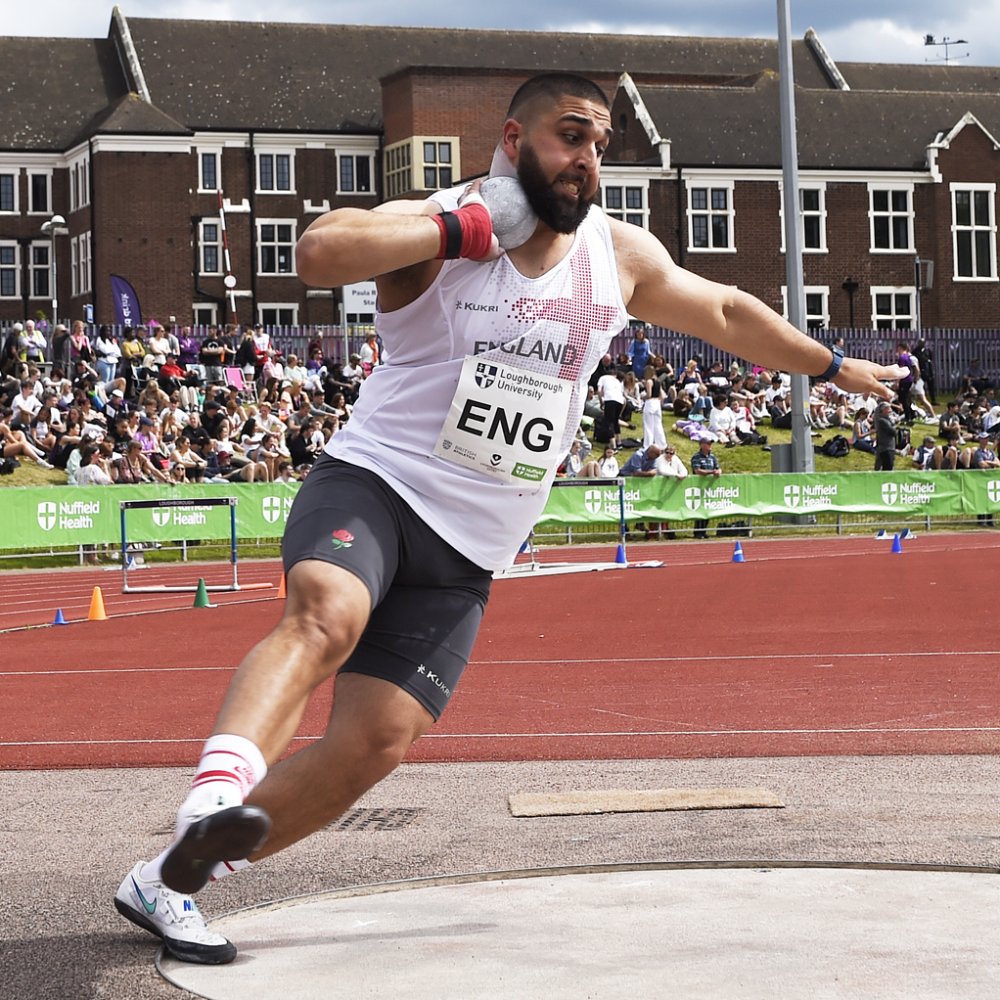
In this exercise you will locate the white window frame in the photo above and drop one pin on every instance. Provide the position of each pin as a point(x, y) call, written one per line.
point(891, 215)
point(820, 187)
point(16, 175)
point(292, 307)
point(47, 174)
point(74, 258)
point(38, 269)
point(823, 316)
point(293, 225)
point(203, 242)
point(623, 183)
point(893, 290)
point(83, 263)
point(355, 158)
point(973, 228)
point(404, 164)
point(215, 152)
point(205, 313)
point(79, 183)
point(15, 267)
point(711, 185)
point(274, 151)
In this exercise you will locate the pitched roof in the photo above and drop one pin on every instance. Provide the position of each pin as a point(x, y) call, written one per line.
point(50, 87)
point(740, 127)
point(922, 77)
point(315, 77)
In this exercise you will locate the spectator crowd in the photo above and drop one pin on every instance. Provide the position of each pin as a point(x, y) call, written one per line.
point(161, 405)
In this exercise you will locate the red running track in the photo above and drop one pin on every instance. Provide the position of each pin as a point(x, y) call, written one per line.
point(810, 647)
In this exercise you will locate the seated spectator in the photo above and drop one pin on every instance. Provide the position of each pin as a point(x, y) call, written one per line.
point(863, 432)
point(93, 469)
point(15, 444)
point(984, 457)
point(183, 454)
point(701, 408)
point(642, 462)
point(722, 422)
point(24, 406)
point(670, 465)
point(196, 435)
point(572, 465)
point(604, 468)
point(134, 467)
point(927, 456)
point(301, 442)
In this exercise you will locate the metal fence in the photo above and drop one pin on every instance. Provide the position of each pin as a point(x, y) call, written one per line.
point(953, 350)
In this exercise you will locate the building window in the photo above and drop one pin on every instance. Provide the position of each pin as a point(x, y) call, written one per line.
point(279, 314)
point(274, 172)
point(974, 231)
point(422, 163)
point(275, 246)
point(817, 303)
point(40, 268)
point(812, 218)
point(891, 214)
point(626, 202)
point(74, 267)
point(437, 165)
point(355, 174)
point(210, 242)
point(8, 192)
point(9, 271)
point(892, 308)
point(208, 171)
point(79, 184)
point(83, 264)
point(39, 198)
point(204, 313)
point(710, 217)
point(398, 169)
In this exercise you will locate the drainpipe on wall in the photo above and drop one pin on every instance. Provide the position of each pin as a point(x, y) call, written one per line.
point(252, 171)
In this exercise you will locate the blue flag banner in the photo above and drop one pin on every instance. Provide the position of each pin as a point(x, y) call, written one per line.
point(127, 309)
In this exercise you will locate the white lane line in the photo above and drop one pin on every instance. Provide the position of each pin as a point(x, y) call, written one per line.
point(623, 660)
point(548, 736)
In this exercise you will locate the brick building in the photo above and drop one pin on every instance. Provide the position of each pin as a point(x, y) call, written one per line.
point(145, 142)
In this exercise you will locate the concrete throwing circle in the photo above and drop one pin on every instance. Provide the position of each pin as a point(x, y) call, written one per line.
point(757, 930)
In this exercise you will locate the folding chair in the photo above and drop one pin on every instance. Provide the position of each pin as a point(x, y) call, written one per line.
point(235, 380)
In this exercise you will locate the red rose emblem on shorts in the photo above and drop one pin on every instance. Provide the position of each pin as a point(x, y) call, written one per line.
point(342, 539)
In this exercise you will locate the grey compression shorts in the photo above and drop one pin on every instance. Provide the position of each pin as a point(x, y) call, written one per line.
point(427, 598)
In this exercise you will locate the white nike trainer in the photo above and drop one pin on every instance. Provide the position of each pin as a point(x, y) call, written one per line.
point(172, 917)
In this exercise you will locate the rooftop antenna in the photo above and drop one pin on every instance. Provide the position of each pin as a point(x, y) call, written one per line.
point(946, 43)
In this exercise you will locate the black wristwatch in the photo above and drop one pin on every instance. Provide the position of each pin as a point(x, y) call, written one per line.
point(835, 363)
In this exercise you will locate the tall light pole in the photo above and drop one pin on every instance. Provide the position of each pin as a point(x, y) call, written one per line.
point(802, 453)
point(56, 226)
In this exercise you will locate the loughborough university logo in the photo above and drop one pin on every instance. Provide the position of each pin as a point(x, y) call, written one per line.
point(890, 494)
point(993, 491)
point(793, 496)
point(486, 375)
point(692, 498)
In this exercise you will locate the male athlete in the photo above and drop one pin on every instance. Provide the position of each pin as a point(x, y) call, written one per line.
point(437, 479)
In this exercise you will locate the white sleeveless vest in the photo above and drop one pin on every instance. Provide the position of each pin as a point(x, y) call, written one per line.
point(557, 326)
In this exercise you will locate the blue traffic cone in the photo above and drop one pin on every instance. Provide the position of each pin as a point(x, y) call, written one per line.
point(738, 553)
point(620, 555)
point(59, 619)
point(897, 545)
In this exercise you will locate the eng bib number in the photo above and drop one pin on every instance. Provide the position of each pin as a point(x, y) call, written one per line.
point(505, 422)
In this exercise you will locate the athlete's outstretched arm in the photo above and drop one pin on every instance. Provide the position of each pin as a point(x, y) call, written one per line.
point(353, 244)
point(659, 291)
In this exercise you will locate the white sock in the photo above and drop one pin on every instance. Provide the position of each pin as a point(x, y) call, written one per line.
point(151, 871)
point(229, 769)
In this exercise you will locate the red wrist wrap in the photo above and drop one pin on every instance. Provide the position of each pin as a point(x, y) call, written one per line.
point(466, 232)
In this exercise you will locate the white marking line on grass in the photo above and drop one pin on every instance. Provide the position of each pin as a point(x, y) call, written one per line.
point(548, 736)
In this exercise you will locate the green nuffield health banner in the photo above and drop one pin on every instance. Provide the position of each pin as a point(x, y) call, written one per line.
point(935, 494)
point(67, 516)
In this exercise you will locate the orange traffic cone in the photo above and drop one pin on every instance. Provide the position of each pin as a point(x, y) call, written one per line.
point(281, 587)
point(97, 612)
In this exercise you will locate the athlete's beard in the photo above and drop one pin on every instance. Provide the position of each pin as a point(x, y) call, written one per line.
point(561, 214)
